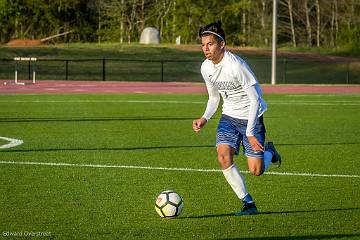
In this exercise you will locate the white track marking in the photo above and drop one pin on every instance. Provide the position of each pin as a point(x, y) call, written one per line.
point(52, 164)
point(323, 95)
point(103, 101)
point(12, 142)
point(314, 103)
point(288, 102)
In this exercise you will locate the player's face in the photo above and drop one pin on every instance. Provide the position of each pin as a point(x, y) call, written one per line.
point(212, 49)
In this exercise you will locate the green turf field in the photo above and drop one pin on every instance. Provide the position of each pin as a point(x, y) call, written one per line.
point(92, 184)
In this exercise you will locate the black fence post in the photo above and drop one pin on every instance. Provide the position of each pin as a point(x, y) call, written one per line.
point(284, 70)
point(29, 68)
point(66, 69)
point(162, 71)
point(348, 73)
point(103, 69)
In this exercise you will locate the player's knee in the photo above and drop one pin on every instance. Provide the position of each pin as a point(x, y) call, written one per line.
point(224, 160)
point(256, 171)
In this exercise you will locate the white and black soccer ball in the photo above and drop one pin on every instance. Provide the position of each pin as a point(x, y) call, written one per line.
point(169, 204)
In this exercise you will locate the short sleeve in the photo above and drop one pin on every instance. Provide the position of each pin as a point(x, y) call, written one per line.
point(244, 74)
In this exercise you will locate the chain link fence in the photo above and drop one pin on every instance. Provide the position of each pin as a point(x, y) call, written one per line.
point(289, 71)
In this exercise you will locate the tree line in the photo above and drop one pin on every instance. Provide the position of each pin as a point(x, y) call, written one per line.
point(311, 23)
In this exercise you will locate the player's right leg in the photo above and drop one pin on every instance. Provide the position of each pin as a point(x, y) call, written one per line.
point(230, 171)
point(228, 144)
point(235, 179)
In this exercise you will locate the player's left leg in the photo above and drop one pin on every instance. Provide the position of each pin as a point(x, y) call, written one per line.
point(270, 150)
point(259, 162)
point(257, 166)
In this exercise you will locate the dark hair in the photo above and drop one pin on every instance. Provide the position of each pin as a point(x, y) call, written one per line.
point(213, 27)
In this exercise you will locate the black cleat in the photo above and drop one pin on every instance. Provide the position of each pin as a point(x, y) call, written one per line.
point(276, 159)
point(248, 209)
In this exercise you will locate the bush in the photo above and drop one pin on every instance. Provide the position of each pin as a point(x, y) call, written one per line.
point(349, 39)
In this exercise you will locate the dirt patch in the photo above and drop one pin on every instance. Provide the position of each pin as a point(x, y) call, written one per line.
point(23, 42)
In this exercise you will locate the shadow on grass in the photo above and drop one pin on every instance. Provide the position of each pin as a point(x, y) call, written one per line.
point(317, 144)
point(103, 119)
point(323, 236)
point(104, 148)
point(269, 213)
point(146, 148)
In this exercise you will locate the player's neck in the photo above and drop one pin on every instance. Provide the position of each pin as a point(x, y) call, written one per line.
point(219, 58)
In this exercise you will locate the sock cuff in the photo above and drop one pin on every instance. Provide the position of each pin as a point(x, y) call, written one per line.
point(248, 198)
point(229, 168)
point(269, 150)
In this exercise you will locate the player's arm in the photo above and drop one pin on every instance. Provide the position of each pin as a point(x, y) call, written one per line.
point(249, 84)
point(198, 124)
point(211, 107)
point(252, 119)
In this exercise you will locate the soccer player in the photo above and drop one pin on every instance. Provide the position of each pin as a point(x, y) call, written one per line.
point(228, 75)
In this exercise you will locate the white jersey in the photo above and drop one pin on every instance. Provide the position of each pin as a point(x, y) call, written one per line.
point(233, 79)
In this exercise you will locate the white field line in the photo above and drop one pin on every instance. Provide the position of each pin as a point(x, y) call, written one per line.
point(52, 164)
point(12, 142)
point(315, 103)
point(323, 95)
point(287, 102)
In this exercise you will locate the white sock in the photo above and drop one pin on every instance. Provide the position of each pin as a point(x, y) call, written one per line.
point(267, 159)
point(236, 181)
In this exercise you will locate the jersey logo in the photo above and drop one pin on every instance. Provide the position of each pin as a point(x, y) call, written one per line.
point(228, 85)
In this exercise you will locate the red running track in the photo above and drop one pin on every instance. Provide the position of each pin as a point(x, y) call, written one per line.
point(52, 86)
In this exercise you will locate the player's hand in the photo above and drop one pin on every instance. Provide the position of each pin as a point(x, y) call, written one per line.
point(198, 124)
point(255, 144)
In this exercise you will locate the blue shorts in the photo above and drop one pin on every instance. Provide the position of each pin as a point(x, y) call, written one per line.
point(232, 131)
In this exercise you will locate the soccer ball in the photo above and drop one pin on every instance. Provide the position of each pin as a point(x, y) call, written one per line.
point(169, 204)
